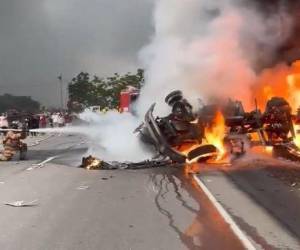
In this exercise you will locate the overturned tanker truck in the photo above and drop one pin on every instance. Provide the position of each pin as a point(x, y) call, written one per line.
point(273, 128)
point(166, 135)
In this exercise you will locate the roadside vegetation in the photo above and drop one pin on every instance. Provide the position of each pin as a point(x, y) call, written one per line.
point(85, 90)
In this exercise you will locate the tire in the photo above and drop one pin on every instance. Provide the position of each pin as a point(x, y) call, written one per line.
point(173, 97)
point(202, 152)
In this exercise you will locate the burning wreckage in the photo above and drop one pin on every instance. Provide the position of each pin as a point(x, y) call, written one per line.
point(212, 134)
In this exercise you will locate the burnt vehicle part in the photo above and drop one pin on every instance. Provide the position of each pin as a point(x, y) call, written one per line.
point(202, 153)
point(287, 151)
point(181, 108)
point(150, 132)
point(236, 144)
point(93, 163)
point(277, 120)
point(274, 127)
point(168, 133)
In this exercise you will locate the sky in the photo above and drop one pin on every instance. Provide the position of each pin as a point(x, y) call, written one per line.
point(41, 39)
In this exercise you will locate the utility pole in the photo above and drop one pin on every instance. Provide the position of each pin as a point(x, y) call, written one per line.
point(61, 92)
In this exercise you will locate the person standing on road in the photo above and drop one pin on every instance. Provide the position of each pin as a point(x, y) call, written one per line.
point(55, 119)
point(3, 122)
point(61, 120)
point(35, 123)
point(43, 121)
point(50, 120)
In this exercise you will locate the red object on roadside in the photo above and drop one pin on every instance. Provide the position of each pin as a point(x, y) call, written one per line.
point(127, 97)
point(124, 101)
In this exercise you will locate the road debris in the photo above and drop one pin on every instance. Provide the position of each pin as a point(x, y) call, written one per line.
point(21, 203)
point(83, 187)
point(93, 163)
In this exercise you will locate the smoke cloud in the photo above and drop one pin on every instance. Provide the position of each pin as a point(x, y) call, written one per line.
point(111, 136)
point(209, 49)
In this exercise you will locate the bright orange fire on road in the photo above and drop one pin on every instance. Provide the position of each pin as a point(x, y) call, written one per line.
point(215, 135)
point(297, 139)
point(282, 81)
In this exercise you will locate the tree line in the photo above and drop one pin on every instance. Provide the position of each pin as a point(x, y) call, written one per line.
point(85, 90)
point(20, 103)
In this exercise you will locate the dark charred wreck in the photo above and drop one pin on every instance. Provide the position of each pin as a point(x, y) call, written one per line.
point(272, 127)
point(180, 126)
point(166, 135)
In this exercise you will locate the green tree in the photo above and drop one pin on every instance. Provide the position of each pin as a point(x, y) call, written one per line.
point(104, 92)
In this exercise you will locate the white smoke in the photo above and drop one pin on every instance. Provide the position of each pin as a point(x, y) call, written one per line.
point(207, 49)
point(111, 136)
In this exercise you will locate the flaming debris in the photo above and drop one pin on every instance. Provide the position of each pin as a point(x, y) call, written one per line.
point(283, 81)
point(216, 132)
point(215, 135)
point(93, 163)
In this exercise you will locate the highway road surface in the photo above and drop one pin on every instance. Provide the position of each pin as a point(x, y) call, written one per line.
point(161, 208)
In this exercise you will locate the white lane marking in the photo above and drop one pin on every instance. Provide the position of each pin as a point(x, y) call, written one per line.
point(234, 227)
point(41, 164)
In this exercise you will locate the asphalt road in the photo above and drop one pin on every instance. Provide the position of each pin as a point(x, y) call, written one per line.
point(129, 209)
point(120, 209)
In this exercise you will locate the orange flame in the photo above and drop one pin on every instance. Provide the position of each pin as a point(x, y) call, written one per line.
point(215, 135)
point(282, 81)
point(297, 138)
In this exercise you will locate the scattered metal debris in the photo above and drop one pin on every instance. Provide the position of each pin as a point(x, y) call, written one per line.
point(21, 203)
point(93, 163)
point(287, 151)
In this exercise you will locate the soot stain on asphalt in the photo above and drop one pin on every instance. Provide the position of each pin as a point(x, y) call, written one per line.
point(208, 229)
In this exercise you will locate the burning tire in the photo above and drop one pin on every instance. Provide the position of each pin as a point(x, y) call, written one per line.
point(202, 153)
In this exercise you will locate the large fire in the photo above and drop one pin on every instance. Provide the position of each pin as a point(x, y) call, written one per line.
point(215, 135)
point(280, 84)
point(283, 81)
